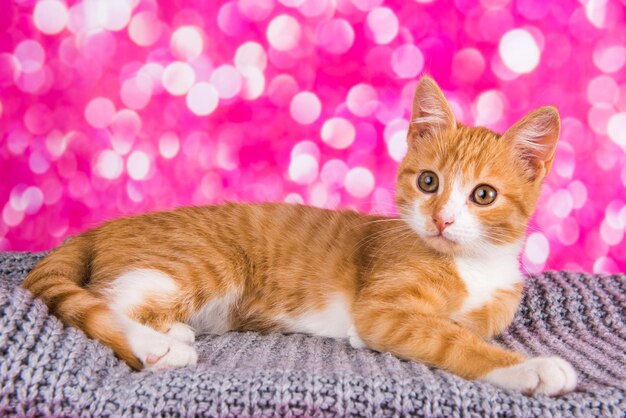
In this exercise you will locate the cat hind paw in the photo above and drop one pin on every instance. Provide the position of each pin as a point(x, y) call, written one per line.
point(354, 339)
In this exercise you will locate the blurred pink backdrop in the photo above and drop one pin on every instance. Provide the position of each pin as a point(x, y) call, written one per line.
point(113, 107)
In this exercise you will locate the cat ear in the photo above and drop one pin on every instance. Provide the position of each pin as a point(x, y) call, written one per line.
point(534, 138)
point(431, 112)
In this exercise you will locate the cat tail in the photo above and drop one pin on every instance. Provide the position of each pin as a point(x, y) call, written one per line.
point(58, 280)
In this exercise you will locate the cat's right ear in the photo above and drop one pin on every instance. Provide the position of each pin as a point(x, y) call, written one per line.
point(534, 139)
point(431, 112)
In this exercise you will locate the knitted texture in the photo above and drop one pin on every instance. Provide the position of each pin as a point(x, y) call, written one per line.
point(48, 369)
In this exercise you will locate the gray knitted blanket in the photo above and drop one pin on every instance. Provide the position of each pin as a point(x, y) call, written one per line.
point(47, 369)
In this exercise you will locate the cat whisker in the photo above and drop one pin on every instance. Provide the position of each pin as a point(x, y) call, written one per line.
point(378, 235)
point(383, 220)
point(495, 238)
point(398, 238)
point(375, 221)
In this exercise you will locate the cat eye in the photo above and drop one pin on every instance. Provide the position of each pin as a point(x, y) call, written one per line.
point(484, 195)
point(428, 182)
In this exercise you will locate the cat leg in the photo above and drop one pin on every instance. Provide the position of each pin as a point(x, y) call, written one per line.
point(494, 316)
point(442, 343)
point(146, 302)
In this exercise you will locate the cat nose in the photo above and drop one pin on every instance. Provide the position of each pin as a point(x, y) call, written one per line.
point(441, 222)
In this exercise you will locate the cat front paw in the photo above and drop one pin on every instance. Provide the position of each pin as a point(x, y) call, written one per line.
point(182, 332)
point(178, 354)
point(541, 375)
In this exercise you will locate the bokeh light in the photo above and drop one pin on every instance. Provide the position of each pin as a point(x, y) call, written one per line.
point(99, 112)
point(169, 144)
point(610, 59)
point(178, 77)
point(338, 133)
point(136, 92)
point(30, 55)
point(335, 36)
point(113, 107)
point(305, 107)
point(519, 51)
point(50, 16)
point(407, 61)
point(359, 182)
point(109, 164)
point(227, 81)
point(187, 43)
point(468, 65)
point(303, 169)
point(145, 28)
point(383, 25)
point(138, 165)
point(362, 100)
point(202, 99)
point(250, 54)
point(283, 32)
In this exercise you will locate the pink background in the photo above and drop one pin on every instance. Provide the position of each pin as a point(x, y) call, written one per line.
point(112, 107)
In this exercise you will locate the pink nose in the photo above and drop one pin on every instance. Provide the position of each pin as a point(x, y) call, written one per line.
point(442, 223)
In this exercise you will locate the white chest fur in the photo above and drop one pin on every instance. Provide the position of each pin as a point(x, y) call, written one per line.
point(484, 275)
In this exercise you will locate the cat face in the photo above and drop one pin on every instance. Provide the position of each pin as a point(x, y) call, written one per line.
point(466, 190)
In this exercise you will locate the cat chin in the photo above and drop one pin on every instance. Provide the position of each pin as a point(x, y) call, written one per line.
point(443, 245)
point(448, 246)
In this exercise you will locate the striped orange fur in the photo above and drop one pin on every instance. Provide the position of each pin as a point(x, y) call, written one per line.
point(392, 284)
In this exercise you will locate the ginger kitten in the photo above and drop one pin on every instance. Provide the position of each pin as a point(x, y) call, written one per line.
point(431, 286)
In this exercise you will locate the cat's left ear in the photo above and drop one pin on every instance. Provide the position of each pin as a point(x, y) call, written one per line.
point(534, 138)
point(431, 112)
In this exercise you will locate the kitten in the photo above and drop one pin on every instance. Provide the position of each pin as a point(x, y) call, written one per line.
point(431, 286)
